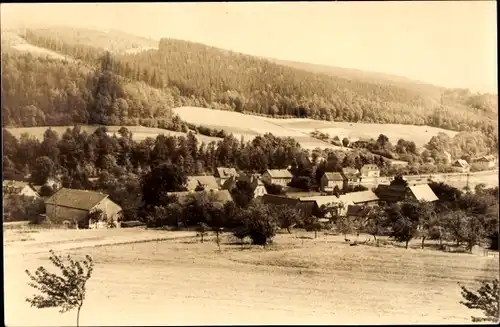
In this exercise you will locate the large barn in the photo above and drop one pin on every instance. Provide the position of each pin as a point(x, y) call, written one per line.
point(74, 206)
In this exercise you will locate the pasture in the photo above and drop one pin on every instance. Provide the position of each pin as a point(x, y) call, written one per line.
point(297, 280)
point(249, 126)
point(139, 133)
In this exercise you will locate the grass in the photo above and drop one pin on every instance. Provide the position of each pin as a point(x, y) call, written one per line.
point(293, 281)
point(249, 126)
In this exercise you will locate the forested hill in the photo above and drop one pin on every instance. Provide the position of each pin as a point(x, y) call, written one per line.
point(196, 74)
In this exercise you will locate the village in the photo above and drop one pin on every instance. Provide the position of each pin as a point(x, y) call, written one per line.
point(352, 190)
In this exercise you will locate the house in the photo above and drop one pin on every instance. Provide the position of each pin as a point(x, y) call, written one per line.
point(461, 165)
point(397, 193)
point(364, 198)
point(330, 180)
point(74, 206)
point(308, 208)
point(277, 176)
point(254, 180)
point(486, 162)
point(370, 171)
point(223, 173)
point(206, 182)
point(448, 157)
point(10, 187)
point(341, 201)
point(351, 175)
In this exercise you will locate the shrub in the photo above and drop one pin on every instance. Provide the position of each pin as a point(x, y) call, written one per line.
point(487, 299)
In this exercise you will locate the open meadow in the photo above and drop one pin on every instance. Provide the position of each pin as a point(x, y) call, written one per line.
point(297, 280)
point(250, 126)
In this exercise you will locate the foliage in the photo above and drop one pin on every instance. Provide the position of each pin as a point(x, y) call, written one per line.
point(162, 179)
point(486, 299)
point(67, 291)
point(243, 193)
point(259, 223)
point(288, 217)
point(312, 224)
point(274, 189)
point(202, 230)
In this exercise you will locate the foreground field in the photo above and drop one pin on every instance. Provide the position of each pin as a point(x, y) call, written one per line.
point(298, 280)
point(250, 126)
point(139, 133)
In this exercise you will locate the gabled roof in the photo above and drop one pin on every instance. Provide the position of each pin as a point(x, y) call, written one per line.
point(279, 173)
point(350, 172)
point(361, 197)
point(327, 199)
point(423, 192)
point(225, 172)
point(205, 181)
point(77, 199)
point(369, 167)
point(334, 176)
point(487, 158)
point(357, 211)
point(460, 162)
point(11, 186)
point(307, 207)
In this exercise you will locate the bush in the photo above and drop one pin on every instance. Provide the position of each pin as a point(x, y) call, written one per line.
point(259, 224)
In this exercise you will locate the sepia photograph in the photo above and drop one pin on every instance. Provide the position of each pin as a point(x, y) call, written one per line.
point(250, 163)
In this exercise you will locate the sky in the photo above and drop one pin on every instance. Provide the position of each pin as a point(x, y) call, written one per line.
point(446, 43)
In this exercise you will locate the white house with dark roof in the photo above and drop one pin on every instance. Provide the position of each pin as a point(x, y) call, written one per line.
point(277, 176)
point(74, 206)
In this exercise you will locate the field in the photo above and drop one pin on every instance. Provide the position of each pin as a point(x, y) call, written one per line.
point(298, 280)
point(247, 126)
point(250, 126)
point(139, 133)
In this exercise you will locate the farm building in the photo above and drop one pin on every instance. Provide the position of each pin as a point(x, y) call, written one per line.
point(320, 201)
point(206, 182)
point(330, 180)
point(357, 211)
point(308, 208)
point(19, 188)
point(397, 193)
point(365, 198)
point(74, 206)
point(351, 175)
point(370, 171)
point(254, 180)
point(486, 162)
point(277, 176)
point(223, 173)
point(461, 165)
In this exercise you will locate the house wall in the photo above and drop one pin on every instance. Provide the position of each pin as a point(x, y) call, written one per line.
point(60, 214)
point(328, 185)
point(28, 191)
point(370, 173)
point(260, 190)
point(281, 181)
point(111, 209)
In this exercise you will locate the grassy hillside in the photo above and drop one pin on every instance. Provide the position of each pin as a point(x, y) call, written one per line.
point(193, 74)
